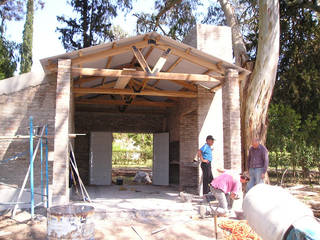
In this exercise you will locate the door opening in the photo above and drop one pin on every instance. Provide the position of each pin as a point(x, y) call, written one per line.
point(132, 158)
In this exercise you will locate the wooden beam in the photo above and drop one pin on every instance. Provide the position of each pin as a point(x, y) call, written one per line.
point(108, 52)
point(216, 88)
point(174, 64)
point(190, 57)
point(143, 63)
point(142, 74)
point(131, 92)
point(84, 80)
point(106, 85)
point(161, 61)
point(123, 80)
point(149, 52)
point(186, 85)
point(121, 102)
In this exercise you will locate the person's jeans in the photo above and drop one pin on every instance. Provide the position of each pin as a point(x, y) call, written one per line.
point(255, 177)
point(225, 201)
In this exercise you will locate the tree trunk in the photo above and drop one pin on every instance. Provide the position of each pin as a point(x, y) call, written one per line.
point(256, 91)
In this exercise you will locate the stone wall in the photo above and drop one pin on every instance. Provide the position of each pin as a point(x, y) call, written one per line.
point(18, 101)
point(85, 122)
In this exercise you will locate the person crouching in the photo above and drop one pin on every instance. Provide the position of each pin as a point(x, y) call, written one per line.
point(225, 189)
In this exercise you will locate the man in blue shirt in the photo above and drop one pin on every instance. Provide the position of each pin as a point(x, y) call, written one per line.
point(205, 155)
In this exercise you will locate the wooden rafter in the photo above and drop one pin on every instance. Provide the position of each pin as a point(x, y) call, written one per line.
point(142, 61)
point(191, 58)
point(108, 63)
point(122, 81)
point(161, 61)
point(131, 92)
point(150, 87)
point(216, 88)
point(106, 85)
point(85, 80)
point(174, 64)
point(121, 102)
point(142, 74)
point(52, 66)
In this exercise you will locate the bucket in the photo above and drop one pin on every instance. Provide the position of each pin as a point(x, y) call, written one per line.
point(271, 210)
point(70, 222)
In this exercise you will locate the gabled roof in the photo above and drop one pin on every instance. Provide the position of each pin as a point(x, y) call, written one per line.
point(129, 63)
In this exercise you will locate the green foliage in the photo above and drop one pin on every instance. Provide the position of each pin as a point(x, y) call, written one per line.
point(10, 10)
point(173, 18)
point(284, 126)
point(132, 149)
point(8, 59)
point(143, 141)
point(26, 47)
point(290, 141)
point(93, 22)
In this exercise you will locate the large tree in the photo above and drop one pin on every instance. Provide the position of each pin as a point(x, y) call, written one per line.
point(257, 90)
point(26, 47)
point(92, 24)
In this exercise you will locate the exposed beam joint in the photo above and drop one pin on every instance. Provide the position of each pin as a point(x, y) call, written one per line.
point(139, 56)
point(161, 61)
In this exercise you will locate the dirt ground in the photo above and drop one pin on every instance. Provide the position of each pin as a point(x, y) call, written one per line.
point(192, 228)
point(176, 225)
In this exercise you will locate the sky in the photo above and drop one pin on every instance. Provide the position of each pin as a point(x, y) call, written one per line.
point(46, 41)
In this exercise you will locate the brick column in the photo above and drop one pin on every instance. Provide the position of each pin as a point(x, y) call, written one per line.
point(60, 173)
point(231, 121)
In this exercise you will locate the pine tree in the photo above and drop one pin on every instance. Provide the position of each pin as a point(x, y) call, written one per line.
point(26, 48)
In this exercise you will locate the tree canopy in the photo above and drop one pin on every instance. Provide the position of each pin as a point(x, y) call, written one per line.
point(92, 24)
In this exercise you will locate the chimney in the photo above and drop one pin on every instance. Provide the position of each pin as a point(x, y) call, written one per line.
point(213, 40)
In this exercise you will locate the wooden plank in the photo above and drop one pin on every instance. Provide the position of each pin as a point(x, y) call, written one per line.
point(143, 63)
point(106, 85)
point(84, 80)
point(121, 102)
point(123, 80)
point(191, 58)
point(216, 88)
point(149, 52)
point(142, 74)
point(161, 61)
point(107, 53)
point(186, 85)
point(174, 64)
point(131, 92)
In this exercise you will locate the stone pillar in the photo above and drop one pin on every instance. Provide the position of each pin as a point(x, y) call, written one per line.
point(60, 173)
point(231, 121)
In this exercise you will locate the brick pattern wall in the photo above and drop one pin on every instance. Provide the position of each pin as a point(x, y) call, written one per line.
point(15, 110)
point(109, 122)
point(61, 138)
point(188, 126)
point(231, 121)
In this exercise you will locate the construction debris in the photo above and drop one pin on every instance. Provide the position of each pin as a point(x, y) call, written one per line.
point(142, 177)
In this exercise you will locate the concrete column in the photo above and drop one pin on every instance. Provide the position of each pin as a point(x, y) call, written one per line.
point(231, 121)
point(60, 182)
